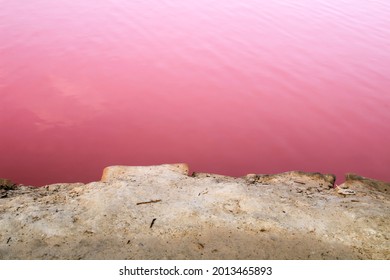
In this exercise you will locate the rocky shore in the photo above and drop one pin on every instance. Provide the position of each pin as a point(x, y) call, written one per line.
point(162, 212)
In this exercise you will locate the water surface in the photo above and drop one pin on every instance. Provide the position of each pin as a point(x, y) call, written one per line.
point(230, 87)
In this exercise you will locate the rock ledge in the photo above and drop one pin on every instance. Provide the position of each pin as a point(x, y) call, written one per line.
point(161, 212)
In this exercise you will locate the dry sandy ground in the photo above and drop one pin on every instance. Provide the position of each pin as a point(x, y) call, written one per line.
point(159, 212)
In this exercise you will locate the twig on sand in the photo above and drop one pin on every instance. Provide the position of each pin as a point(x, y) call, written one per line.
point(152, 222)
point(299, 182)
point(151, 201)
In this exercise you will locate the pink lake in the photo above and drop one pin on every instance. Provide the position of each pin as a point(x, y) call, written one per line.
point(229, 87)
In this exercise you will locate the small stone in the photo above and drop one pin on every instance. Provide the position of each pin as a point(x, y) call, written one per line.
point(346, 191)
point(251, 178)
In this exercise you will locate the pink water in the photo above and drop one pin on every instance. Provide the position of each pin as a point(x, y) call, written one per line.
point(229, 87)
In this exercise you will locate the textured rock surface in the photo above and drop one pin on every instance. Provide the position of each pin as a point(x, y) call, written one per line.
point(159, 212)
point(5, 186)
